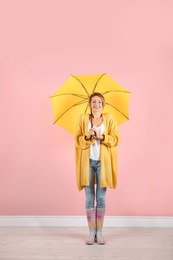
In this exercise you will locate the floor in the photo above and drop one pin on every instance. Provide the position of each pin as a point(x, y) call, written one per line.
point(48, 243)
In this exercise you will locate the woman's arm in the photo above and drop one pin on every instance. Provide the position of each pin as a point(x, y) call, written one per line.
point(82, 141)
point(111, 133)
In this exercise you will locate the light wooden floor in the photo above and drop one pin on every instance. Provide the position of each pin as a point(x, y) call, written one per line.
point(20, 243)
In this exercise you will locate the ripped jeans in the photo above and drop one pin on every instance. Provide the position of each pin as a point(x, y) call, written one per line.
point(90, 191)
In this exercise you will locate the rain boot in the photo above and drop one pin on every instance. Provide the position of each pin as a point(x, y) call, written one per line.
point(91, 224)
point(100, 219)
point(95, 227)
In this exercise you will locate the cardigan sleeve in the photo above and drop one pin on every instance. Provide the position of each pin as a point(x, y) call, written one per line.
point(80, 141)
point(111, 133)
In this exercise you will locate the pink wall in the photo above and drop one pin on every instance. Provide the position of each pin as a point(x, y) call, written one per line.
point(42, 44)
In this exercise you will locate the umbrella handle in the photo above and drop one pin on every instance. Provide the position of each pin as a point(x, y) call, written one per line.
point(92, 125)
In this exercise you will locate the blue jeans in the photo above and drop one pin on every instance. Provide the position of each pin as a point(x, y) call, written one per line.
point(90, 192)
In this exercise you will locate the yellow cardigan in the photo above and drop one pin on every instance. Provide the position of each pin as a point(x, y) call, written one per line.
point(108, 152)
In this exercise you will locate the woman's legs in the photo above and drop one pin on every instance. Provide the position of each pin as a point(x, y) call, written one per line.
point(95, 223)
point(90, 210)
point(100, 192)
point(95, 172)
point(90, 190)
point(100, 209)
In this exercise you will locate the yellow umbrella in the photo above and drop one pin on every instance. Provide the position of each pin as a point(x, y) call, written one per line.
point(71, 99)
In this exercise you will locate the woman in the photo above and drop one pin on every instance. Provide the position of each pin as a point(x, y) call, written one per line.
point(96, 162)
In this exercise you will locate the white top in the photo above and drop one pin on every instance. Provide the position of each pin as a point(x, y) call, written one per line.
point(95, 147)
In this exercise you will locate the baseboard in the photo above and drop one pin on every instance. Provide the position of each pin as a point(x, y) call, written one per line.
point(80, 221)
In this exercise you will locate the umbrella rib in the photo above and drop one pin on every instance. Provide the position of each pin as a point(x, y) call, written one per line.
point(98, 82)
point(117, 110)
point(77, 104)
point(81, 84)
point(66, 94)
point(123, 91)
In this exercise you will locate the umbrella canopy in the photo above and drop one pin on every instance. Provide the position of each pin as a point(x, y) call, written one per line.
point(71, 99)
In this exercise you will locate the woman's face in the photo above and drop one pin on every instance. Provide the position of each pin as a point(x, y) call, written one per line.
point(96, 104)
